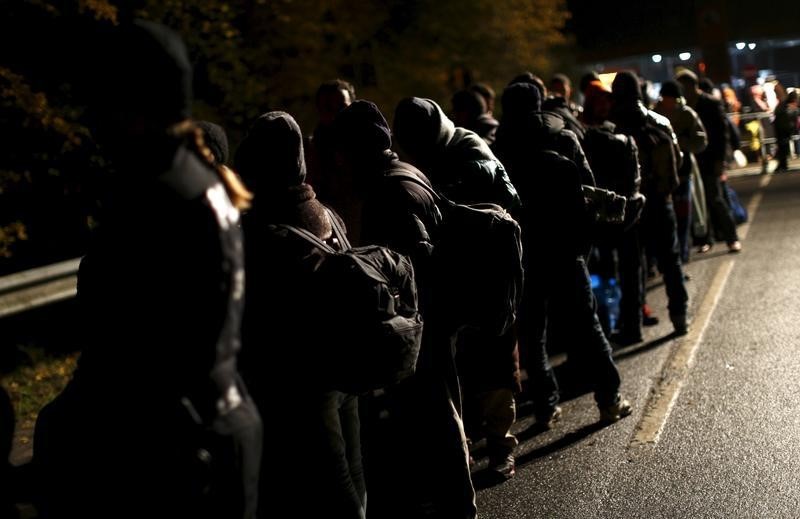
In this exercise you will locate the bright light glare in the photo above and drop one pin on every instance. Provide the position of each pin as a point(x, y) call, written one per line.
point(656, 58)
point(740, 45)
point(751, 46)
point(684, 56)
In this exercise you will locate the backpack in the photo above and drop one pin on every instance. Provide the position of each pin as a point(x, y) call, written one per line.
point(364, 311)
point(658, 160)
point(476, 262)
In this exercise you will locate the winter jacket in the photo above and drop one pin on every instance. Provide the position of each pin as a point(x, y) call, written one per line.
point(712, 115)
point(559, 106)
point(547, 165)
point(458, 162)
point(690, 132)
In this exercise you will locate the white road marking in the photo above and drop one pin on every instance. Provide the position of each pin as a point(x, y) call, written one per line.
point(674, 374)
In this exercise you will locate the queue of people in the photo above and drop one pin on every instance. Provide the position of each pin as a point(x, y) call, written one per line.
point(201, 390)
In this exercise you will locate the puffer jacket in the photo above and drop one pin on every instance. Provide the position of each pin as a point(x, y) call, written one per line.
point(458, 162)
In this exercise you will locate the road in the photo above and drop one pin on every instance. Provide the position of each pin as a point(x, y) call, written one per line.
point(716, 426)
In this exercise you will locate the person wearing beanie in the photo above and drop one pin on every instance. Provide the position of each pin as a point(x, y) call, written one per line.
point(548, 167)
point(660, 161)
point(156, 419)
point(614, 161)
point(692, 140)
point(425, 428)
point(464, 169)
point(711, 162)
point(325, 449)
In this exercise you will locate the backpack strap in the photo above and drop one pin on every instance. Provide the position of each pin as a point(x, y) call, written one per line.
point(338, 229)
point(307, 236)
point(405, 175)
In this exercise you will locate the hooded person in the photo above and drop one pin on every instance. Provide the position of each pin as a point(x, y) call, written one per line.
point(425, 428)
point(548, 167)
point(458, 162)
point(464, 169)
point(159, 295)
point(660, 160)
point(324, 422)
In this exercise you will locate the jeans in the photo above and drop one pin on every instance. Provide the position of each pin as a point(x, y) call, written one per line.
point(563, 310)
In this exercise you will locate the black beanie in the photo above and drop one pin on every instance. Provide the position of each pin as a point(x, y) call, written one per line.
point(362, 129)
point(625, 88)
point(671, 88)
point(144, 69)
point(521, 99)
point(270, 157)
point(216, 140)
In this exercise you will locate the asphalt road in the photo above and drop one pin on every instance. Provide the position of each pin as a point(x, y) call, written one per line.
point(722, 433)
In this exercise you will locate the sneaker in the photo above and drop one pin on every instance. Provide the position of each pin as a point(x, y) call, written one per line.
point(735, 246)
point(648, 319)
point(504, 467)
point(616, 411)
point(706, 247)
point(548, 420)
point(680, 323)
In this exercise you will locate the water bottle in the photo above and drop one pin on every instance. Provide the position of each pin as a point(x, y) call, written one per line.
point(612, 294)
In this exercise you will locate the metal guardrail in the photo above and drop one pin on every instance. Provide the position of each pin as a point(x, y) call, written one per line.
point(766, 136)
point(38, 287)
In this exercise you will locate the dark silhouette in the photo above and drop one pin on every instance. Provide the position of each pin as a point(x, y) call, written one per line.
point(156, 420)
point(325, 451)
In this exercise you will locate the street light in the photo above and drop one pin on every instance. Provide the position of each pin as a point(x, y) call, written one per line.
point(656, 58)
point(684, 56)
point(740, 45)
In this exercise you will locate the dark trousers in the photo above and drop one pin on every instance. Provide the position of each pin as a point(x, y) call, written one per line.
point(659, 230)
point(784, 150)
point(561, 309)
point(418, 460)
point(720, 220)
point(626, 265)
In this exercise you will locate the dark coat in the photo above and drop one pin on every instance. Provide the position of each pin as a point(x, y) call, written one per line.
point(712, 115)
point(160, 295)
point(486, 128)
point(559, 106)
point(553, 214)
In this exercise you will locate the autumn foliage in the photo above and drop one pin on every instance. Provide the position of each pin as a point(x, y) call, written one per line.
point(249, 56)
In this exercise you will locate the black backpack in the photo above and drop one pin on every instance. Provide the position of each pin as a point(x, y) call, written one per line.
point(476, 263)
point(657, 158)
point(363, 313)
